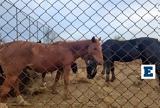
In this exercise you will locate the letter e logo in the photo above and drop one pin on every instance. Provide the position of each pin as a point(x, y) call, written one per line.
point(148, 72)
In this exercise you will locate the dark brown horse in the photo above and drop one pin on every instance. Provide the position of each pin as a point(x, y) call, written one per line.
point(15, 56)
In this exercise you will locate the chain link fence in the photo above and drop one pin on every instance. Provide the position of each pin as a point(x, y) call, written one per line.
point(59, 20)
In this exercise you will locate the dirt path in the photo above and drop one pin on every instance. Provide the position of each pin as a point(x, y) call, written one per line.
point(125, 91)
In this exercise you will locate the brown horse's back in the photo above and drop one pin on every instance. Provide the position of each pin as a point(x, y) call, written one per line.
point(46, 57)
point(15, 55)
point(41, 57)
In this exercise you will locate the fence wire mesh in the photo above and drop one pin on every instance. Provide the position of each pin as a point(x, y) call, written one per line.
point(64, 20)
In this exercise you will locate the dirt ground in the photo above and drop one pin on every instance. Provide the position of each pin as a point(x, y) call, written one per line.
point(125, 92)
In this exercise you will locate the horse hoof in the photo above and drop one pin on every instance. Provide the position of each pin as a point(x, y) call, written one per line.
point(3, 105)
point(24, 103)
point(74, 81)
point(21, 101)
point(107, 80)
point(113, 79)
point(43, 89)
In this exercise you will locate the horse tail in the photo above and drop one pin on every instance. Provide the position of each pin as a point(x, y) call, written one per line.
point(1, 48)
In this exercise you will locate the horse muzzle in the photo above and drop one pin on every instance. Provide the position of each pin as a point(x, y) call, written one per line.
point(99, 63)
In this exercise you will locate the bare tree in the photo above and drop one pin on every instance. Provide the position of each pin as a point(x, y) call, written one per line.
point(51, 36)
point(118, 38)
point(1, 40)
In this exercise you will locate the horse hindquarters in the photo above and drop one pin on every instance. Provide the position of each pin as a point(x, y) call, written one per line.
point(10, 81)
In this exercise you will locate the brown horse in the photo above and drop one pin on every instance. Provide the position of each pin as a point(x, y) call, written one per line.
point(15, 56)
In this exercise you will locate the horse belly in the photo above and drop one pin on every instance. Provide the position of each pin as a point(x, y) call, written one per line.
point(46, 60)
point(127, 55)
point(45, 66)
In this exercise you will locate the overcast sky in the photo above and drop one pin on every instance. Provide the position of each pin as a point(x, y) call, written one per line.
point(103, 18)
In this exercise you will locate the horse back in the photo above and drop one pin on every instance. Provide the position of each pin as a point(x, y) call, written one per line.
point(15, 52)
point(50, 56)
point(124, 51)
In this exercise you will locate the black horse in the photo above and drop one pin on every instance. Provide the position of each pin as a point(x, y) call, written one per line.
point(145, 48)
point(114, 50)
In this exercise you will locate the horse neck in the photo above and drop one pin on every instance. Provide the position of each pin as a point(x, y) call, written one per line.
point(79, 48)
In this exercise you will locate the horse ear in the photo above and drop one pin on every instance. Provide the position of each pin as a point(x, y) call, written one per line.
point(93, 39)
point(39, 41)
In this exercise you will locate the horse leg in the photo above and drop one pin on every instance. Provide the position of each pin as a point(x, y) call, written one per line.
point(104, 69)
point(66, 81)
point(158, 76)
point(43, 79)
point(20, 99)
point(3, 105)
point(108, 68)
point(113, 74)
point(58, 74)
point(74, 67)
point(6, 87)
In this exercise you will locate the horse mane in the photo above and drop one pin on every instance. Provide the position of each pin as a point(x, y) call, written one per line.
point(70, 43)
point(5, 44)
point(58, 42)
